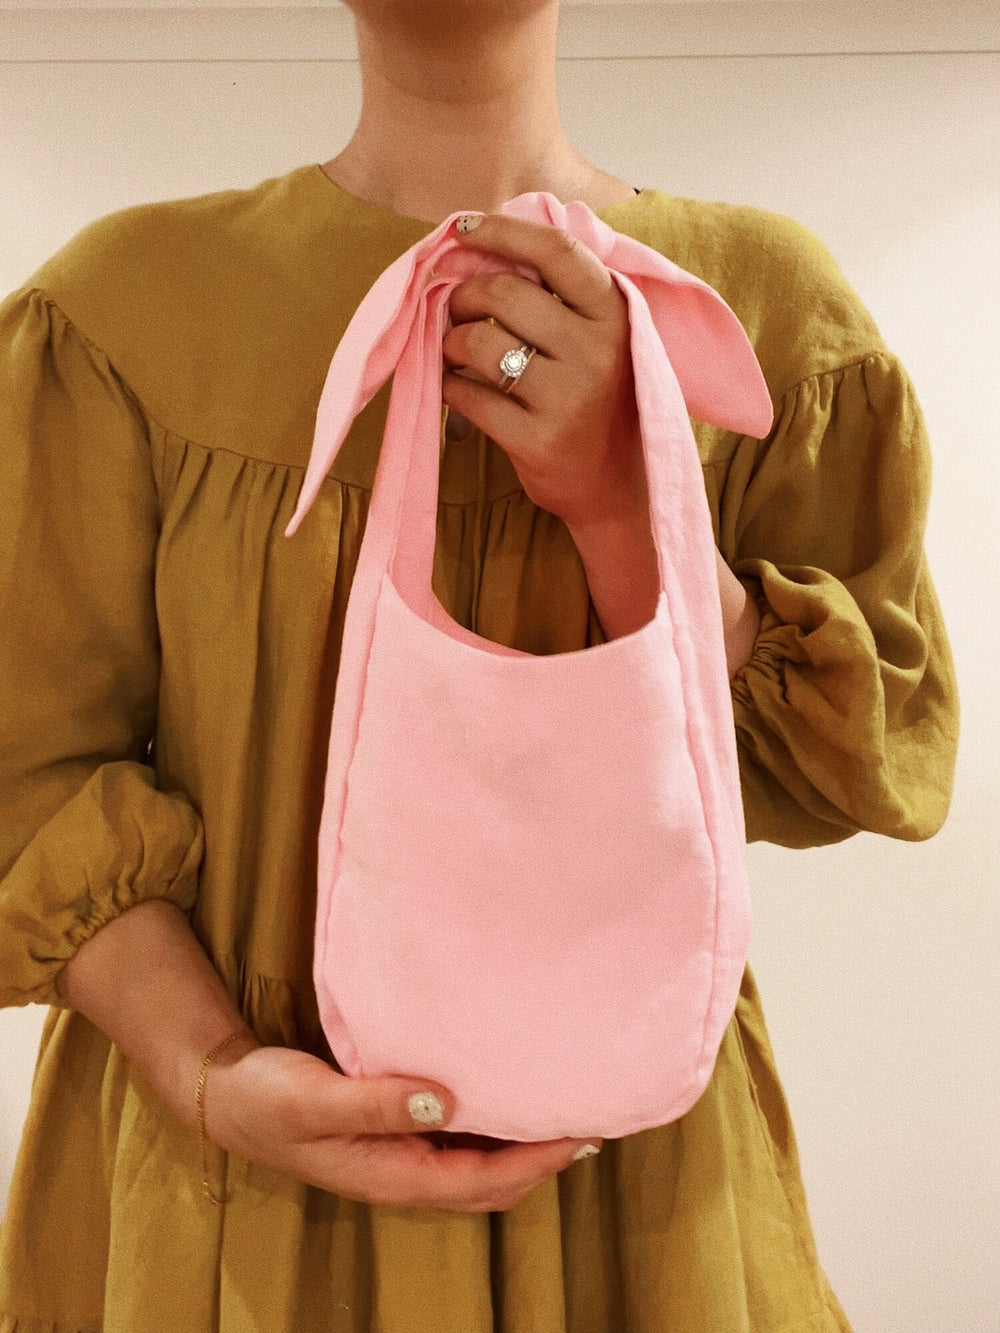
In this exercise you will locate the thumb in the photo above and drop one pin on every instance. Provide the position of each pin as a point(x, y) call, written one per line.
point(391, 1105)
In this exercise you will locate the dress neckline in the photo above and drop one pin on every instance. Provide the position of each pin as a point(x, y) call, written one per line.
point(379, 211)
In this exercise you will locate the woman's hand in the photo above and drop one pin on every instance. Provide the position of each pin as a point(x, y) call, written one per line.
point(570, 424)
point(292, 1112)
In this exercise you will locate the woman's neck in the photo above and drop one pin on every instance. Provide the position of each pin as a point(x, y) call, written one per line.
point(454, 118)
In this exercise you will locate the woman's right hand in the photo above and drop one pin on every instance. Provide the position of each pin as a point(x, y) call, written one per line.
point(292, 1112)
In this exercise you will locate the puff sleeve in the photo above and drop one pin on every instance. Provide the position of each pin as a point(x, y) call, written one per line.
point(85, 832)
point(846, 713)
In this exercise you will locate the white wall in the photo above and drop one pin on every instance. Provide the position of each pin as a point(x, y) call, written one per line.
point(879, 130)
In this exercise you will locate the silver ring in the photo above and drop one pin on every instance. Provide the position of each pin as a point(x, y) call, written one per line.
point(513, 365)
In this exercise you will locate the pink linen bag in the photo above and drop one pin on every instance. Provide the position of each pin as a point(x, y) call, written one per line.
point(532, 883)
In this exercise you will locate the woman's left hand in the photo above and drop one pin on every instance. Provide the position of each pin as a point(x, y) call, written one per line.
point(570, 424)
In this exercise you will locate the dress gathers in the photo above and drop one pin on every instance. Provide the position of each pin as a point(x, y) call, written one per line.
point(167, 668)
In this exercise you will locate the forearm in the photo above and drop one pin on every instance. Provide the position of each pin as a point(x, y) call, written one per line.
point(620, 562)
point(145, 981)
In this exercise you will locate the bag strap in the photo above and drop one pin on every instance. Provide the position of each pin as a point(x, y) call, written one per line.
point(689, 353)
point(708, 353)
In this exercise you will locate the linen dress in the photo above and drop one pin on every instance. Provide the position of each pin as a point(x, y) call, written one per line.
point(167, 669)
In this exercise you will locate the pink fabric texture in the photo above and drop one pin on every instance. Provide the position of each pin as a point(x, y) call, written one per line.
point(532, 869)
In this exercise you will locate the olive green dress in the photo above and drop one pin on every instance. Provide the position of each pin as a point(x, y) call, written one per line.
point(167, 669)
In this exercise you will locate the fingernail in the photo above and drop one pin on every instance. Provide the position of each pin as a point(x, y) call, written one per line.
point(468, 222)
point(425, 1108)
point(588, 1150)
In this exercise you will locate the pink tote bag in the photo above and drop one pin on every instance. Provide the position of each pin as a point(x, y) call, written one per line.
point(532, 881)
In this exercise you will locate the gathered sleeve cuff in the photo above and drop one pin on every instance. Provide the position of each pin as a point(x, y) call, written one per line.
point(846, 713)
point(86, 833)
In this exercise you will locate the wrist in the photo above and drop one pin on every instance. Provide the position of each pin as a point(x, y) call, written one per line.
point(619, 559)
point(740, 618)
point(236, 1045)
point(197, 1067)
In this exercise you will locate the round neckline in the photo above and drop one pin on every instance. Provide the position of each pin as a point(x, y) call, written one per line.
point(405, 220)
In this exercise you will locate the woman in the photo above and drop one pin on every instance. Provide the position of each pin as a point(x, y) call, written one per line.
point(168, 665)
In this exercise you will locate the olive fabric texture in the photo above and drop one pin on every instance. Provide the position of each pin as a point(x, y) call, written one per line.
point(600, 842)
point(168, 661)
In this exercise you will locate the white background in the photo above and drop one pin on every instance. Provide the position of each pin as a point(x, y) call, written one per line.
point(878, 126)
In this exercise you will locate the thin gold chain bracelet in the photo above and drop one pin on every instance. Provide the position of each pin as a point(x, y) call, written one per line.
point(199, 1097)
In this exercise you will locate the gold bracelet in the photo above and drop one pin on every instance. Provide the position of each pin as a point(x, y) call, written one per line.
point(200, 1103)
